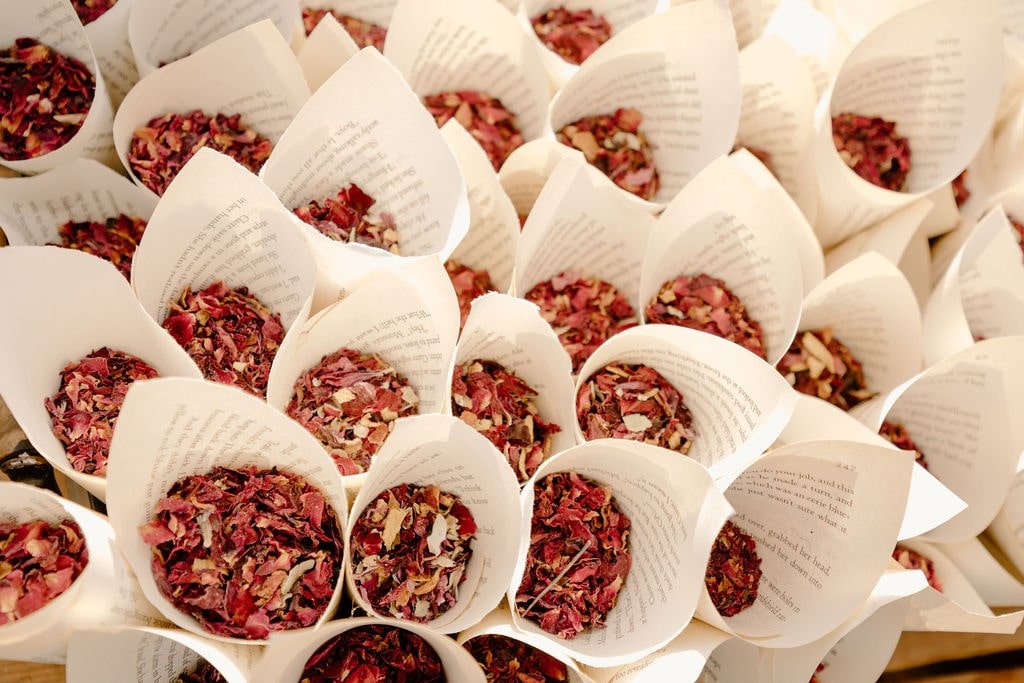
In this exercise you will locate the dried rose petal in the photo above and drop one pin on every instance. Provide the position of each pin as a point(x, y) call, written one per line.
point(245, 551)
point(909, 559)
point(374, 654)
point(161, 148)
point(410, 549)
point(500, 405)
point(229, 333)
point(578, 557)
point(346, 217)
point(204, 672)
point(485, 117)
point(818, 364)
point(814, 677)
point(38, 562)
point(468, 284)
point(634, 402)
point(584, 312)
point(522, 220)
point(898, 436)
point(507, 660)
point(364, 33)
point(1018, 232)
point(113, 240)
point(350, 401)
point(960, 192)
point(734, 571)
point(84, 410)
point(573, 35)
point(90, 10)
point(871, 147)
point(44, 99)
point(704, 303)
point(615, 146)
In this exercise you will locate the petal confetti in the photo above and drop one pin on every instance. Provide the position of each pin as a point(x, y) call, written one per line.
point(374, 654)
point(90, 10)
point(872, 148)
point(818, 364)
point(910, 559)
point(485, 117)
point(84, 410)
point(204, 672)
point(245, 551)
point(896, 433)
point(410, 549)
point(346, 217)
point(468, 284)
point(113, 240)
point(573, 35)
point(507, 660)
point(38, 562)
point(364, 33)
point(614, 145)
point(350, 401)
point(733, 572)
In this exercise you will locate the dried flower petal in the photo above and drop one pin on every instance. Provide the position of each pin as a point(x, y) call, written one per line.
point(90, 10)
point(814, 677)
point(960, 192)
point(898, 436)
point(245, 551)
point(573, 35)
point(394, 566)
point(507, 660)
point(1018, 233)
point(704, 303)
point(229, 333)
point(161, 148)
point(44, 99)
point(872, 148)
point(346, 217)
point(364, 33)
point(374, 654)
point(584, 312)
point(84, 410)
point(204, 672)
point(818, 364)
point(734, 571)
point(38, 562)
point(468, 284)
point(615, 146)
point(114, 240)
point(910, 559)
point(485, 117)
point(634, 402)
point(350, 401)
point(578, 558)
point(500, 405)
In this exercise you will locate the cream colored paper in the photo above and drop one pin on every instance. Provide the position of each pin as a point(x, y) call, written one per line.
point(801, 237)
point(777, 116)
point(151, 655)
point(443, 451)
point(325, 51)
point(740, 404)
point(871, 308)
point(734, 661)
point(105, 593)
point(944, 216)
point(929, 502)
point(620, 14)
point(390, 147)
point(162, 32)
point(69, 304)
point(981, 293)
point(681, 661)
point(958, 607)
point(109, 38)
point(55, 24)
point(680, 69)
point(814, 35)
point(994, 584)
point(286, 657)
point(960, 413)
point(32, 208)
point(444, 45)
point(173, 428)
point(494, 226)
point(941, 51)
point(251, 72)
point(748, 17)
point(395, 314)
point(217, 221)
point(375, 11)
point(577, 225)
point(1008, 527)
point(527, 169)
point(675, 511)
point(499, 623)
point(510, 331)
point(901, 239)
point(723, 225)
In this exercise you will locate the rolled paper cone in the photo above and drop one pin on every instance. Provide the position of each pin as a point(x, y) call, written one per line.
point(70, 304)
point(1008, 527)
point(325, 51)
point(109, 38)
point(682, 660)
point(734, 661)
point(995, 585)
point(527, 169)
point(815, 36)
